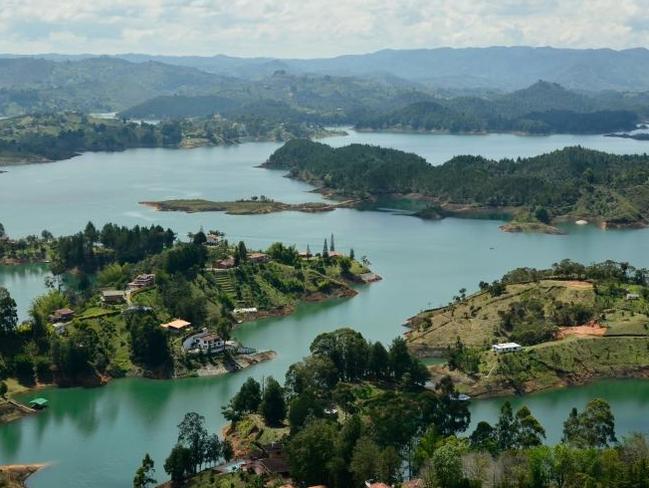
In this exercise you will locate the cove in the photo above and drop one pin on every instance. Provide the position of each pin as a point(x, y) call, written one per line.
point(97, 437)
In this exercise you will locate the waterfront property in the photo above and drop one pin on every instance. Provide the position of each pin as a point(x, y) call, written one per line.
point(112, 297)
point(506, 347)
point(258, 257)
point(227, 263)
point(142, 281)
point(212, 239)
point(205, 342)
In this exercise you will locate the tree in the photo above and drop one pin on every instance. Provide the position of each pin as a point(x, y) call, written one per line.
point(302, 407)
point(8, 312)
point(3, 389)
point(529, 433)
point(90, 233)
point(365, 460)
point(273, 406)
point(227, 451)
point(311, 451)
point(378, 363)
point(332, 246)
point(325, 249)
point(192, 434)
point(483, 438)
point(179, 464)
point(351, 254)
point(451, 415)
point(505, 428)
point(399, 358)
point(2, 230)
point(247, 400)
point(446, 463)
point(213, 449)
point(144, 474)
point(199, 238)
point(594, 427)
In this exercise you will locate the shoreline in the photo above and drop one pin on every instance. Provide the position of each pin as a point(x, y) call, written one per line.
point(17, 474)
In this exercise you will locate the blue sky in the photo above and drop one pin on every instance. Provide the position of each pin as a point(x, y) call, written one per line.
point(314, 28)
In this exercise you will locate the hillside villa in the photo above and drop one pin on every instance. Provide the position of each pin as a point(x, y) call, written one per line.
point(506, 347)
point(112, 297)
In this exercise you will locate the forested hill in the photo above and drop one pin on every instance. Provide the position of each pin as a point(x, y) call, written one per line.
point(574, 181)
point(541, 108)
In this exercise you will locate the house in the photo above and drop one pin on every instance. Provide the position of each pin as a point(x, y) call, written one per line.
point(240, 311)
point(227, 263)
point(506, 347)
point(335, 254)
point(212, 239)
point(211, 343)
point(112, 297)
point(59, 327)
point(62, 315)
point(632, 296)
point(142, 281)
point(176, 325)
point(258, 257)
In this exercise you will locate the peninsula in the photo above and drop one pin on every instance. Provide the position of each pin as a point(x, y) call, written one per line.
point(539, 329)
point(141, 304)
point(535, 193)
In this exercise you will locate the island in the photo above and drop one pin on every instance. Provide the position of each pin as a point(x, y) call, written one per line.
point(535, 193)
point(539, 329)
point(135, 302)
point(252, 206)
point(46, 137)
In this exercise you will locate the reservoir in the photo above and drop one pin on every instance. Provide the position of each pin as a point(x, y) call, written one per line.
point(97, 437)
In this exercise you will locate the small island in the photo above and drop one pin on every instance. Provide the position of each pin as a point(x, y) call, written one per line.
point(135, 302)
point(539, 329)
point(252, 206)
point(535, 194)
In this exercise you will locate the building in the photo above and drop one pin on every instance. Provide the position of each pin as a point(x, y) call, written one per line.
point(258, 257)
point(142, 281)
point(176, 325)
point(62, 315)
point(506, 347)
point(632, 296)
point(227, 263)
point(335, 254)
point(112, 297)
point(208, 343)
point(38, 403)
point(212, 239)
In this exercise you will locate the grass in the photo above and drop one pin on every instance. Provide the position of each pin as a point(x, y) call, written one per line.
point(239, 207)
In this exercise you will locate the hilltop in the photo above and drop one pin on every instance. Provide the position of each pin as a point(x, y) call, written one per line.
point(537, 192)
point(576, 323)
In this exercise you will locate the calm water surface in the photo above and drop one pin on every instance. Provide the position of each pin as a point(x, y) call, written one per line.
point(97, 437)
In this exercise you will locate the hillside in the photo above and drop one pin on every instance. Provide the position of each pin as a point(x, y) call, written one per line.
point(569, 184)
point(50, 137)
point(122, 284)
point(540, 109)
point(576, 323)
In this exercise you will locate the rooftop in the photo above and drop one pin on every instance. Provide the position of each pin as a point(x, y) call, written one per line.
point(176, 324)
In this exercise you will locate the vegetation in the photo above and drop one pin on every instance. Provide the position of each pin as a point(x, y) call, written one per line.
point(572, 183)
point(540, 109)
point(104, 340)
point(349, 425)
point(253, 206)
point(578, 323)
point(55, 136)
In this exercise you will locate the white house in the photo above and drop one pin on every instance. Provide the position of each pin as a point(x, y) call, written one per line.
point(204, 341)
point(632, 296)
point(506, 347)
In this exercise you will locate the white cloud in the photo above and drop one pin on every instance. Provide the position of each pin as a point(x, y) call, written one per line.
point(309, 28)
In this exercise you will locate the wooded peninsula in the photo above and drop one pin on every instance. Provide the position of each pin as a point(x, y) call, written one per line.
point(566, 185)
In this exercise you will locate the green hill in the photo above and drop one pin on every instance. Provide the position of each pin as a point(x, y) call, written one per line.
point(568, 184)
point(575, 322)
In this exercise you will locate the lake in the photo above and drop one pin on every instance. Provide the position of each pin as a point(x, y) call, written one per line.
point(98, 436)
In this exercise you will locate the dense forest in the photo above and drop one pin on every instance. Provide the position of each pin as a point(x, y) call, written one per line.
point(574, 181)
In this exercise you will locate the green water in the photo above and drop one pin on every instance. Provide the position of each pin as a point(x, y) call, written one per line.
point(97, 437)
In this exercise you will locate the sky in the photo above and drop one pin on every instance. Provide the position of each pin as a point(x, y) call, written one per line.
point(313, 28)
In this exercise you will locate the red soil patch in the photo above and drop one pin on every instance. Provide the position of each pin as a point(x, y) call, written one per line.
point(590, 329)
point(581, 285)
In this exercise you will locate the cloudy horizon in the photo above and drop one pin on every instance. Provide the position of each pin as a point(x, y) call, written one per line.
point(316, 28)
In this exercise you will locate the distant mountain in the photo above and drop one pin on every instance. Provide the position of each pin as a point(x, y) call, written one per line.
point(93, 84)
point(501, 68)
